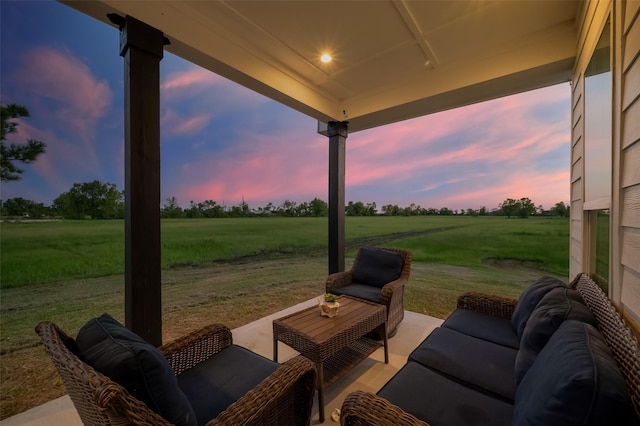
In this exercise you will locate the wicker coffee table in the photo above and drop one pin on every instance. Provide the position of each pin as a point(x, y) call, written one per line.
point(336, 344)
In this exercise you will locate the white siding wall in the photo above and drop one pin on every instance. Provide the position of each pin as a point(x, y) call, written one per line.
point(628, 15)
point(625, 201)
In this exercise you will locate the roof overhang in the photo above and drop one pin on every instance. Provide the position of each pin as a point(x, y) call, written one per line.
point(392, 60)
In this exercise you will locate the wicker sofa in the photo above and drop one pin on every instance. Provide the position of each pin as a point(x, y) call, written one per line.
point(205, 378)
point(557, 356)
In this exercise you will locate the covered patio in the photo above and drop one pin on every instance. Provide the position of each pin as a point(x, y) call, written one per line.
point(390, 61)
point(350, 65)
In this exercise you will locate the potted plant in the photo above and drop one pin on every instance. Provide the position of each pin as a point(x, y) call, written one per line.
point(329, 306)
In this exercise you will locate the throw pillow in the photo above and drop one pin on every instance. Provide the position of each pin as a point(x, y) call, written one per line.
point(377, 267)
point(556, 306)
point(136, 365)
point(574, 381)
point(529, 299)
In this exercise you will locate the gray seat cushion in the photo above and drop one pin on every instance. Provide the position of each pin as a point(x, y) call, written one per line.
point(438, 400)
point(483, 365)
point(485, 327)
point(213, 385)
point(556, 306)
point(376, 267)
point(574, 381)
point(529, 299)
point(136, 365)
point(361, 291)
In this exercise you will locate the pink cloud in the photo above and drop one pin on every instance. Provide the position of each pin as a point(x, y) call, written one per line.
point(498, 132)
point(542, 189)
point(192, 77)
point(201, 87)
point(62, 157)
point(261, 171)
point(176, 124)
point(58, 75)
point(70, 100)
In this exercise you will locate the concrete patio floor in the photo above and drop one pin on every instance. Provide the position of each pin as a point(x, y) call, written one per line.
point(370, 375)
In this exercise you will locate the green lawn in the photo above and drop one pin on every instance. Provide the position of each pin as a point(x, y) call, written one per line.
point(38, 253)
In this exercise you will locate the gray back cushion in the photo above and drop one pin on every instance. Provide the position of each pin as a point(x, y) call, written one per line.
point(574, 381)
point(376, 267)
point(136, 365)
point(529, 299)
point(558, 305)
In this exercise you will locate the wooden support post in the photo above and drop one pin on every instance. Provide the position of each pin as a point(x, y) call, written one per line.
point(337, 132)
point(142, 49)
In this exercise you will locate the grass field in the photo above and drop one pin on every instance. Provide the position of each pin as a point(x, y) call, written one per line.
point(69, 271)
point(38, 253)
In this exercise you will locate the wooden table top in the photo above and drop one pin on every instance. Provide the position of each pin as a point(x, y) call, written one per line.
point(309, 332)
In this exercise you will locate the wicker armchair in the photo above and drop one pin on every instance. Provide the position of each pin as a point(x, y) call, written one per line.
point(391, 295)
point(283, 398)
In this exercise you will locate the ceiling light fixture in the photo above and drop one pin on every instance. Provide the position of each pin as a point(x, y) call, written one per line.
point(326, 58)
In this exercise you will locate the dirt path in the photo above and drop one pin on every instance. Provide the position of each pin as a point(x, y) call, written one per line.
point(380, 240)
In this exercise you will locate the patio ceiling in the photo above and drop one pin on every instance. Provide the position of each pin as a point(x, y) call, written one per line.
point(392, 60)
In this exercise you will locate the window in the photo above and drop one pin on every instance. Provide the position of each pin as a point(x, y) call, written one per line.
point(597, 157)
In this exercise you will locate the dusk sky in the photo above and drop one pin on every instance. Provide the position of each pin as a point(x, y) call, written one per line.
point(223, 142)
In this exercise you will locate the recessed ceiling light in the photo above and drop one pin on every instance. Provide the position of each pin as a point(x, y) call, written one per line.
point(326, 58)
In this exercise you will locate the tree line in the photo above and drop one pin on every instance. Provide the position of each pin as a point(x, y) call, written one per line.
point(99, 200)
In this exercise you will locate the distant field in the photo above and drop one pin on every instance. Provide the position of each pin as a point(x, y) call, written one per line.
point(37, 253)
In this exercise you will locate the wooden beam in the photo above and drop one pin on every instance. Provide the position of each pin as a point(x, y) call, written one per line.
point(142, 48)
point(337, 132)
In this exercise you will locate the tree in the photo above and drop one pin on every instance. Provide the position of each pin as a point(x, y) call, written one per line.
point(20, 207)
point(412, 210)
point(560, 209)
point(193, 211)
point(209, 208)
point(509, 207)
point(12, 153)
point(523, 207)
point(526, 207)
point(171, 209)
point(287, 208)
point(354, 209)
point(319, 207)
point(240, 210)
point(391, 210)
point(95, 199)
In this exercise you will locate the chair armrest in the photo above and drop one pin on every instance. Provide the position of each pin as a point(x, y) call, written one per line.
point(338, 280)
point(197, 346)
point(122, 408)
point(488, 304)
point(364, 408)
point(390, 289)
point(290, 389)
